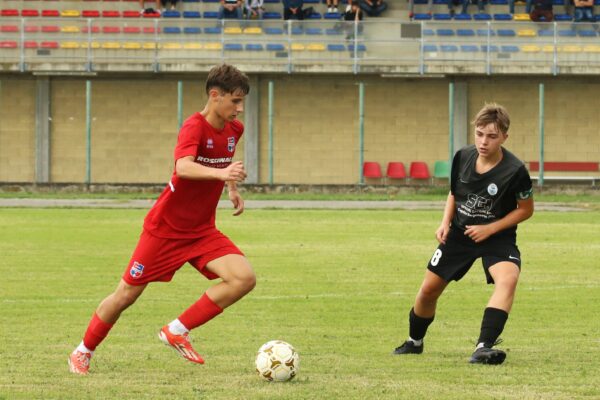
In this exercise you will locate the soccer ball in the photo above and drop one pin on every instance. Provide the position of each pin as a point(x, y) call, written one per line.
point(277, 361)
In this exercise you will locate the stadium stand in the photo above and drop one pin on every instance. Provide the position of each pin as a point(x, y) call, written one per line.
point(395, 170)
point(372, 170)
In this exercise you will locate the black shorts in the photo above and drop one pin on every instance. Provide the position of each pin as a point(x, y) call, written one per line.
point(451, 261)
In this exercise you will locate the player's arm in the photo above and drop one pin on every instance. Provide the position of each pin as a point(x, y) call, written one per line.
point(186, 168)
point(524, 210)
point(442, 232)
point(235, 197)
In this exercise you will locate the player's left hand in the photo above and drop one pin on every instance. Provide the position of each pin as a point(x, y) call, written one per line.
point(237, 201)
point(478, 233)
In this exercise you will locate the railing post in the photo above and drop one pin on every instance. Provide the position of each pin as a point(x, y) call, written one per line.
point(422, 51)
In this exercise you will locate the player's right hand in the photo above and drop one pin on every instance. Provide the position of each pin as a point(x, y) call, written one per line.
point(234, 172)
point(442, 233)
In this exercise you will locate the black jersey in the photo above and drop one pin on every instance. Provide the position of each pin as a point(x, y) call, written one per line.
point(484, 198)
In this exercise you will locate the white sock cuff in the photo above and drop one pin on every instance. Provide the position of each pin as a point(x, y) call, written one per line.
point(83, 349)
point(416, 342)
point(177, 328)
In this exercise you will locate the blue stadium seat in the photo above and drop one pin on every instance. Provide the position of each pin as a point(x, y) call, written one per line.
point(502, 17)
point(272, 1)
point(233, 47)
point(420, 1)
point(562, 17)
point(567, 33)
point(332, 15)
point(211, 1)
point(172, 29)
point(469, 48)
point(274, 31)
point(336, 47)
point(254, 47)
point(445, 32)
point(449, 48)
point(275, 47)
point(499, 2)
point(465, 32)
point(486, 32)
point(546, 32)
point(191, 14)
point(296, 30)
point(422, 17)
point(314, 15)
point(272, 15)
point(171, 14)
point(430, 48)
point(359, 48)
point(332, 31)
point(192, 30)
point(212, 30)
point(492, 48)
point(428, 32)
point(482, 17)
point(506, 32)
point(558, 2)
point(442, 17)
point(509, 49)
point(586, 33)
point(210, 14)
point(313, 31)
point(462, 17)
point(443, 2)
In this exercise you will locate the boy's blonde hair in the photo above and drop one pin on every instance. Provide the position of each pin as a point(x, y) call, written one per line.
point(493, 113)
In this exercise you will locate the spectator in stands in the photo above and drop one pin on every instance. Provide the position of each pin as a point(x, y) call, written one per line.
point(292, 9)
point(480, 5)
point(231, 9)
point(542, 9)
point(373, 8)
point(150, 10)
point(332, 6)
point(255, 9)
point(170, 4)
point(455, 3)
point(352, 16)
point(511, 6)
point(584, 10)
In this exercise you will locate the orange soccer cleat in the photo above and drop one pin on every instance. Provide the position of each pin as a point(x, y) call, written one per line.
point(181, 343)
point(79, 362)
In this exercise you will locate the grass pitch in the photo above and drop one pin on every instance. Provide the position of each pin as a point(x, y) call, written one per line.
point(336, 284)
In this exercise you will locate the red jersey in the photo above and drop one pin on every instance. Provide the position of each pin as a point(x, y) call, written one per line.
point(186, 208)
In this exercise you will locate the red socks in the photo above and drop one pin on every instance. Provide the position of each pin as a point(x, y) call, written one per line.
point(200, 313)
point(96, 332)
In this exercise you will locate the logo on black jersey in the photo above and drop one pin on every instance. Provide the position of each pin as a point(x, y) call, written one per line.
point(231, 144)
point(492, 189)
point(478, 203)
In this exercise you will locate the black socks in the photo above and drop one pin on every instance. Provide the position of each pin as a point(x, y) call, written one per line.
point(492, 326)
point(418, 325)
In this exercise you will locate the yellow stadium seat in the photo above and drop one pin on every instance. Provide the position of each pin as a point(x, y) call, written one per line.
point(591, 48)
point(149, 46)
point(548, 48)
point(255, 30)
point(297, 47)
point(213, 46)
point(521, 17)
point(233, 30)
point(70, 13)
point(530, 48)
point(526, 32)
point(571, 48)
point(316, 47)
point(111, 45)
point(132, 45)
point(192, 46)
point(94, 45)
point(171, 46)
point(69, 29)
point(69, 45)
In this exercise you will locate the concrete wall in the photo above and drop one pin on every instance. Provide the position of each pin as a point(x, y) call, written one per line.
point(316, 126)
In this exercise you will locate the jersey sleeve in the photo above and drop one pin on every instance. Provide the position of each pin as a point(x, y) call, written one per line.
point(523, 187)
point(454, 172)
point(188, 140)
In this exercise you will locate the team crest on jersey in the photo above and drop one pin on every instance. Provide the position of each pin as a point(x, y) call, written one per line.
point(136, 270)
point(209, 144)
point(492, 189)
point(231, 144)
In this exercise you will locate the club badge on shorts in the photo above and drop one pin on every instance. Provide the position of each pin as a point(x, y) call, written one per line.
point(136, 270)
point(492, 189)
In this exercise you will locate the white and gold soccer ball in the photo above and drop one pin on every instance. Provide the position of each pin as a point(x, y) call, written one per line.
point(277, 361)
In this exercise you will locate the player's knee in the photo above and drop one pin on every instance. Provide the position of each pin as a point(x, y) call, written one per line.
point(429, 293)
point(125, 298)
point(246, 282)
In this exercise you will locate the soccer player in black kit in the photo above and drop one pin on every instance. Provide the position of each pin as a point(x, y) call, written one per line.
point(490, 193)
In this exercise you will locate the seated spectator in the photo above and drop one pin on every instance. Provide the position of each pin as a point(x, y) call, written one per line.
point(332, 6)
point(373, 8)
point(255, 9)
point(584, 10)
point(150, 10)
point(352, 16)
point(480, 5)
point(292, 9)
point(542, 9)
point(453, 3)
point(170, 4)
point(231, 9)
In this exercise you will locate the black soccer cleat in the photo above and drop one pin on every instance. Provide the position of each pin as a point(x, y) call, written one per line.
point(408, 347)
point(486, 355)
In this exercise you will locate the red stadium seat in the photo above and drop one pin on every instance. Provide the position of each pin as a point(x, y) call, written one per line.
point(151, 15)
point(150, 29)
point(9, 28)
point(90, 13)
point(95, 29)
point(50, 28)
point(132, 29)
point(9, 13)
point(372, 169)
point(131, 14)
point(419, 170)
point(30, 13)
point(30, 44)
point(111, 29)
point(8, 44)
point(395, 170)
point(111, 14)
point(32, 28)
point(50, 13)
point(49, 45)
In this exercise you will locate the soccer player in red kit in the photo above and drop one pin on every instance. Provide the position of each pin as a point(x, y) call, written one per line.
point(181, 228)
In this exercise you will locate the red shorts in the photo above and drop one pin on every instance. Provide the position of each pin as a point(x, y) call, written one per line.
point(156, 259)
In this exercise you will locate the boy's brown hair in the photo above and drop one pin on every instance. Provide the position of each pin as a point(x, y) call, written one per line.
point(228, 79)
point(493, 113)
